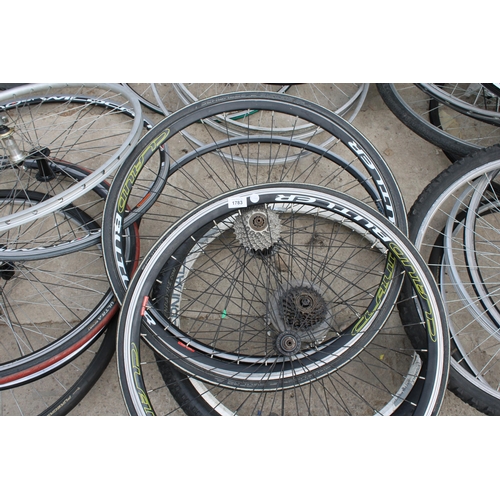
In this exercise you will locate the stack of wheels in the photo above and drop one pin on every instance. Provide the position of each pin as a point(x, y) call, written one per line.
point(59, 146)
point(269, 269)
point(455, 225)
point(459, 118)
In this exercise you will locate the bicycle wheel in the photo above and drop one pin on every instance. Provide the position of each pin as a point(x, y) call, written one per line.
point(59, 392)
point(70, 228)
point(52, 308)
point(300, 308)
point(453, 223)
point(346, 103)
point(472, 99)
point(344, 99)
point(456, 133)
point(158, 97)
point(93, 126)
point(158, 194)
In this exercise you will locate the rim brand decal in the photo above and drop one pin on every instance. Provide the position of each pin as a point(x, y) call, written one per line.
point(136, 368)
point(384, 191)
point(419, 288)
point(382, 290)
point(339, 209)
point(118, 249)
point(137, 167)
point(67, 98)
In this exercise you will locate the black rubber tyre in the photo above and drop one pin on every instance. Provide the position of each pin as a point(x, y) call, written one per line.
point(420, 124)
point(75, 394)
point(427, 219)
point(436, 121)
point(59, 392)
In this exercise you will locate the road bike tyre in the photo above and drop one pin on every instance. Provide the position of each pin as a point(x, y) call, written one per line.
point(58, 392)
point(136, 311)
point(77, 392)
point(420, 126)
point(462, 380)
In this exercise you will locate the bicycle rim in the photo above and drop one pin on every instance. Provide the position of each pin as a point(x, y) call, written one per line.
point(94, 126)
point(195, 174)
point(336, 375)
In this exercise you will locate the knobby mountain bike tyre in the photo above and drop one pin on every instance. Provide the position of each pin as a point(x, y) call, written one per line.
point(442, 231)
point(241, 355)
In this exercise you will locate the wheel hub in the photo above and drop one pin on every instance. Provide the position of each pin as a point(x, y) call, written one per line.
point(41, 158)
point(303, 308)
point(7, 269)
point(288, 343)
point(257, 229)
point(300, 315)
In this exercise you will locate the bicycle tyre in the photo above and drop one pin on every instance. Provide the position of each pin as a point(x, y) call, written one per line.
point(77, 392)
point(427, 236)
point(435, 119)
point(420, 125)
point(452, 99)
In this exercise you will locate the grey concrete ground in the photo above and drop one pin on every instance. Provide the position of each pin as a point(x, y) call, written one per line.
point(414, 163)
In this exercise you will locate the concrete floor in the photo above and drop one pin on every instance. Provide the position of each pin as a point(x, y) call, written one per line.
point(414, 163)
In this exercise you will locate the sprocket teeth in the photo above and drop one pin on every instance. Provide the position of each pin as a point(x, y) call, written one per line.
point(257, 228)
